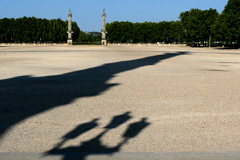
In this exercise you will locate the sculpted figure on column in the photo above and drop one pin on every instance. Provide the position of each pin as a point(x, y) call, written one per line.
point(69, 41)
point(104, 41)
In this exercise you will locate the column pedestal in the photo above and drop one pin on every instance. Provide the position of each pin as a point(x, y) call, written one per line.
point(69, 42)
point(104, 42)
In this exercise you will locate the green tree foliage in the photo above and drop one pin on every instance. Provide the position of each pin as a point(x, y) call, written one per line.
point(89, 38)
point(35, 30)
point(148, 32)
point(197, 25)
point(76, 31)
point(227, 27)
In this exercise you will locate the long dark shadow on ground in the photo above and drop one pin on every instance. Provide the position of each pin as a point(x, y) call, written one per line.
point(25, 96)
point(95, 146)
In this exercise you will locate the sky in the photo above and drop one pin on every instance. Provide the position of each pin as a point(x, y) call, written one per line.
point(88, 13)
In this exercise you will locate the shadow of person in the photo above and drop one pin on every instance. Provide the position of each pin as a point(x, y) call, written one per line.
point(91, 147)
point(95, 145)
point(23, 97)
point(118, 120)
point(81, 129)
point(135, 128)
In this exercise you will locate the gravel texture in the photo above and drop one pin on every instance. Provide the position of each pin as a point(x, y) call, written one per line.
point(128, 98)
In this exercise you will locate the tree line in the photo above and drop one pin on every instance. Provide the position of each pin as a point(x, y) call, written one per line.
point(89, 38)
point(37, 30)
point(147, 32)
point(196, 27)
point(31, 29)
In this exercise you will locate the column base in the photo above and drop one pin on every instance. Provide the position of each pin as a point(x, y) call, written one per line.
point(104, 42)
point(69, 42)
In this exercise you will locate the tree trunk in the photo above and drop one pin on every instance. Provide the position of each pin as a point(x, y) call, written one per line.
point(210, 41)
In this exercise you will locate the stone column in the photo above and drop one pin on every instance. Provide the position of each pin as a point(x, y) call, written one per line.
point(104, 41)
point(69, 41)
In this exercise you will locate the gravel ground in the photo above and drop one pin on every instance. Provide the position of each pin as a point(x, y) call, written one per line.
point(57, 99)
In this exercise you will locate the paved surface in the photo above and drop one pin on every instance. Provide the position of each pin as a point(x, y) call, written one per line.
point(61, 99)
point(126, 156)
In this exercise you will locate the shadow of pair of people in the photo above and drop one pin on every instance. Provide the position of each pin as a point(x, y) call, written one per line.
point(95, 145)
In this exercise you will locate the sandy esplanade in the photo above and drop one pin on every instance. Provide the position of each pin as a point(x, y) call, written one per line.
point(190, 98)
